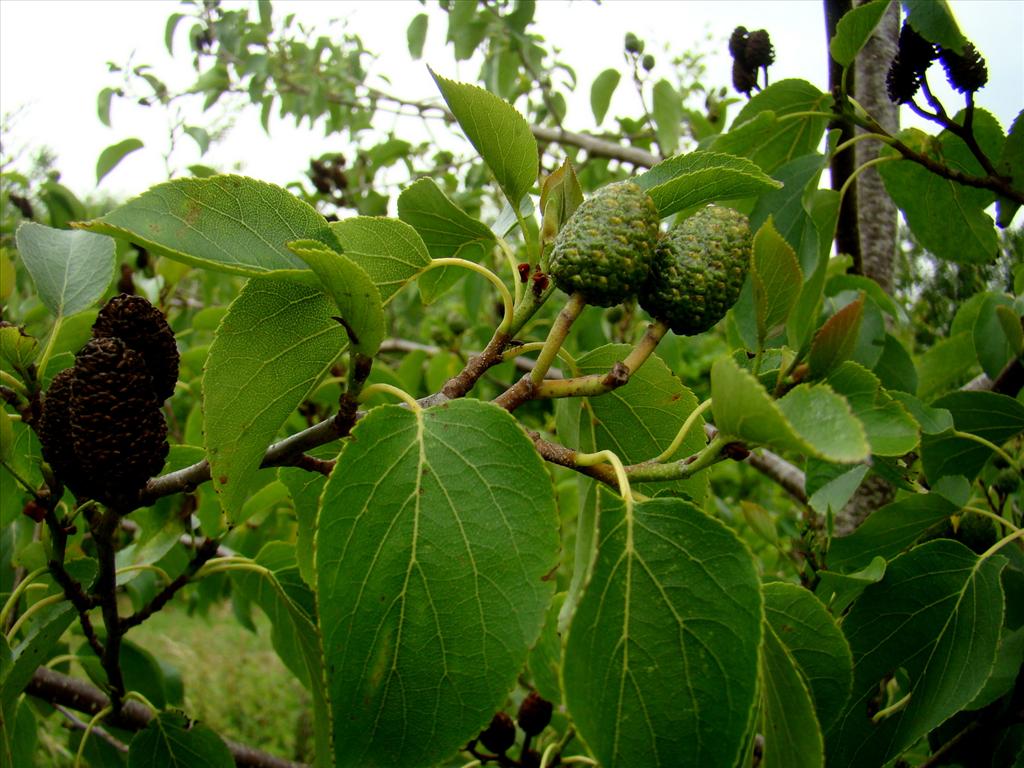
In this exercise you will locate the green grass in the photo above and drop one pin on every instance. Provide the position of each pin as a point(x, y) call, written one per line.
point(234, 682)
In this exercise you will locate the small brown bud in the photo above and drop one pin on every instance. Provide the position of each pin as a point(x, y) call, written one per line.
point(534, 714)
point(34, 510)
point(500, 734)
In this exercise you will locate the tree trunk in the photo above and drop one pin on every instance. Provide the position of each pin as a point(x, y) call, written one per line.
point(869, 233)
point(876, 212)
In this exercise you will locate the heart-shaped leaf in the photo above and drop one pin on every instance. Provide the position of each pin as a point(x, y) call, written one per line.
point(436, 529)
point(661, 661)
point(71, 269)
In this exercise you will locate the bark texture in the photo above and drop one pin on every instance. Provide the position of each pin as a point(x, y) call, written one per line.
point(876, 212)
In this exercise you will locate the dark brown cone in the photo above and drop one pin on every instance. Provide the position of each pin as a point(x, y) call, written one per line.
point(966, 73)
point(915, 53)
point(143, 328)
point(117, 428)
point(759, 51)
point(738, 43)
point(55, 431)
point(901, 82)
point(744, 79)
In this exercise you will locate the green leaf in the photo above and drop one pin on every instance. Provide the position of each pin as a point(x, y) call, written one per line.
point(601, 93)
point(822, 206)
point(947, 363)
point(71, 270)
point(114, 154)
point(790, 207)
point(560, 195)
point(640, 420)
point(889, 530)
point(698, 178)
point(545, 661)
point(935, 614)
point(416, 34)
point(498, 132)
point(1009, 662)
point(1011, 164)
point(824, 420)
point(171, 740)
point(816, 645)
point(777, 280)
point(934, 21)
point(895, 368)
point(305, 489)
point(6, 437)
point(200, 137)
point(17, 349)
point(390, 251)
point(465, 29)
point(18, 732)
point(758, 134)
point(890, 428)
point(662, 655)
point(809, 420)
point(989, 415)
point(172, 24)
point(667, 112)
point(224, 223)
point(446, 231)
point(44, 630)
point(352, 291)
point(947, 218)
point(854, 30)
point(835, 340)
point(103, 104)
point(288, 603)
point(436, 530)
point(792, 736)
point(931, 420)
point(833, 494)
point(838, 590)
point(997, 339)
point(273, 346)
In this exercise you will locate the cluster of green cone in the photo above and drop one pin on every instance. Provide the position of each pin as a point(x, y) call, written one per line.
point(611, 249)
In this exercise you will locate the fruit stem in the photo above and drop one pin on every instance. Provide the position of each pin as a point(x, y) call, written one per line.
point(48, 350)
point(390, 389)
point(557, 336)
point(1019, 533)
point(19, 590)
point(34, 608)
point(683, 432)
point(600, 383)
point(510, 258)
point(988, 444)
point(13, 383)
point(506, 297)
point(88, 732)
point(858, 171)
point(591, 459)
point(984, 512)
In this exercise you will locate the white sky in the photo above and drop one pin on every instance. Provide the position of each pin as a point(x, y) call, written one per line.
point(53, 56)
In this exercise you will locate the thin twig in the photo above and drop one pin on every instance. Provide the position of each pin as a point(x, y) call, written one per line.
point(205, 552)
point(83, 697)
